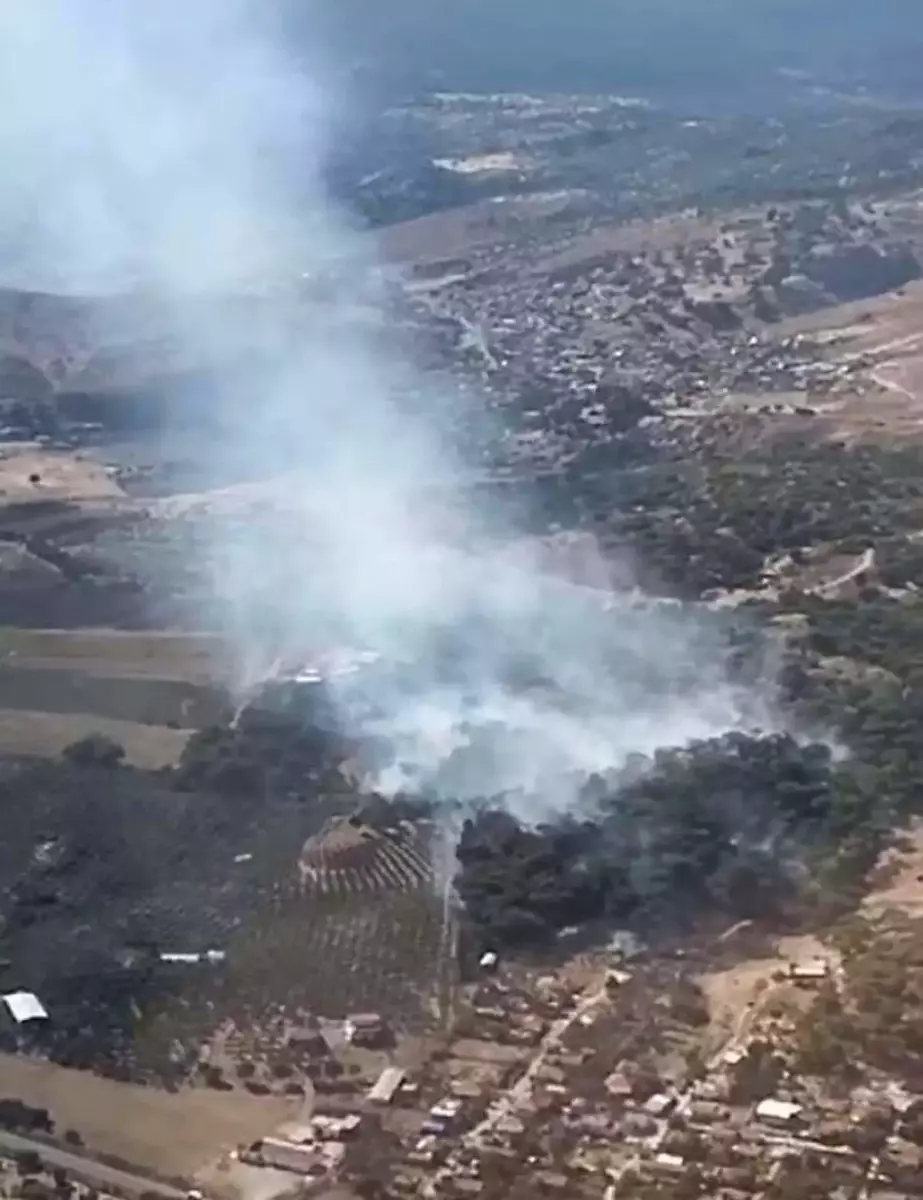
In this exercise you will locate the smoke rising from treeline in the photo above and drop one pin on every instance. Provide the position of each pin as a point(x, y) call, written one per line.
point(176, 150)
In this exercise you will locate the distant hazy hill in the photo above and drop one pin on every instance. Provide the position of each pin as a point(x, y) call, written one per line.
point(721, 49)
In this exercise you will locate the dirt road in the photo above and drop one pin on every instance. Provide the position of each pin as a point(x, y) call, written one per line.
point(863, 564)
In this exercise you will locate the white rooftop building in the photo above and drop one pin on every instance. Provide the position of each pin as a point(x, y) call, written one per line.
point(814, 969)
point(25, 1006)
point(778, 1110)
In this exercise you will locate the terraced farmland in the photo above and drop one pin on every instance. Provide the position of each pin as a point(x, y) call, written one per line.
point(349, 857)
point(363, 927)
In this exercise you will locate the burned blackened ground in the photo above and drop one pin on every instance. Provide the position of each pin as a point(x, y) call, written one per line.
point(104, 870)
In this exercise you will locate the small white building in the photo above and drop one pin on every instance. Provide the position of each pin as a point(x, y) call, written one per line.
point(813, 971)
point(283, 1155)
point(24, 1006)
point(780, 1112)
point(658, 1104)
point(190, 959)
point(447, 1109)
point(386, 1086)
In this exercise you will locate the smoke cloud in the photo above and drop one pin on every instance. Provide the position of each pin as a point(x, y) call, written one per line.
point(142, 146)
point(175, 151)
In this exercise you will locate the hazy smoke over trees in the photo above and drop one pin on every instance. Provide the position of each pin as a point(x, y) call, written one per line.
point(176, 150)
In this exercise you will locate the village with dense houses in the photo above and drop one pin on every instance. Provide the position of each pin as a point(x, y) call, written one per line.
point(626, 1073)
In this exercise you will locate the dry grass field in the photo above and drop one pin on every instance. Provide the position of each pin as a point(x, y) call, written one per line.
point(881, 341)
point(195, 657)
point(45, 735)
point(144, 690)
point(173, 1135)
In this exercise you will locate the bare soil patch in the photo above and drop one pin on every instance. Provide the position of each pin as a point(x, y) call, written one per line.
point(732, 995)
point(863, 324)
point(883, 338)
point(828, 573)
point(172, 1134)
point(872, 413)
point(738, 995)
point(899, 881)
point(30, 473)
point(903, 378)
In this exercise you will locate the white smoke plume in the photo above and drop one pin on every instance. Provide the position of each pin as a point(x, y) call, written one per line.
point(174, 150)
point(138, 142)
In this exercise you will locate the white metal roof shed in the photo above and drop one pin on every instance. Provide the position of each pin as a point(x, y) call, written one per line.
point(778, 1110)
point(25, 1006)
